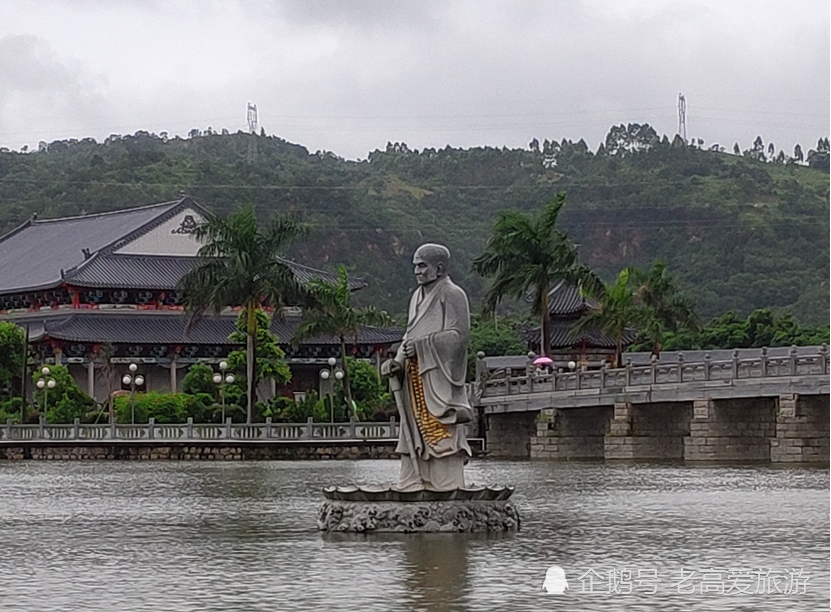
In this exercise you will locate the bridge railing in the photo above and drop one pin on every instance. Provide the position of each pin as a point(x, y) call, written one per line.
point(190, 431)
point(762, 366)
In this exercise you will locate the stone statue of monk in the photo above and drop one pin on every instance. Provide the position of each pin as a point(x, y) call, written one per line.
point(427, 377)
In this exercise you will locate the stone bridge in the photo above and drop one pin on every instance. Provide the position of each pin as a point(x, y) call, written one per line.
point(746, 406)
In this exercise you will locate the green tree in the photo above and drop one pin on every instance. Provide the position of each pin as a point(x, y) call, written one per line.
point(65, 401)
point(671, 310)
point(493, 339)
point(617, 312)
point(270, 359)
point(11, 356)
point(762, 328)
point(199, 379)
point(367, 388)
point(240, 265)
point(527, 254)
point(330, 313)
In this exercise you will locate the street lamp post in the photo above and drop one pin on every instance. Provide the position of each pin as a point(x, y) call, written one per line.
point(222, 379)
point(45, 383)
point(134, 380)
point(326, 374)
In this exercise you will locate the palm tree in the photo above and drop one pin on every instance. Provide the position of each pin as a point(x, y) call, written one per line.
point(618, 311)
point(331, 313)
point(239, 264)
point(672, 310)
point(527, 254)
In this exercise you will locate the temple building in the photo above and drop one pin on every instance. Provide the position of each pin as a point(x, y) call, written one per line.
point(99, 292)
point(590, 347)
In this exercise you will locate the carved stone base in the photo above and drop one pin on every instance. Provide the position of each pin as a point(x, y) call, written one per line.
point(418, 516)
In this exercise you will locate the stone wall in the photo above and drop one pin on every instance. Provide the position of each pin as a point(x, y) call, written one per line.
point(205, 451)
point(731, 430)
point(648, 431)
point(194, 451)
point(571, 434)
point(509, 435)
point(802, 430)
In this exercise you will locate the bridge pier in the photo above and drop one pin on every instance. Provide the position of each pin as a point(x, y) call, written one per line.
point(802, 431)
point(509, 434)
point(648, 431)
point(741, 405)
point(571, 434)
point(738, 429)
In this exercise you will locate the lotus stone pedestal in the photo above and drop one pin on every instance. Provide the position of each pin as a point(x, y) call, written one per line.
point(380, 509)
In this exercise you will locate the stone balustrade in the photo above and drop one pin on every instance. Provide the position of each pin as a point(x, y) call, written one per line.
point(612, 380)
point(268, 431)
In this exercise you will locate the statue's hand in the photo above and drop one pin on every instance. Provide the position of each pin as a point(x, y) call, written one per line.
point(409, 349)
point(391, 368)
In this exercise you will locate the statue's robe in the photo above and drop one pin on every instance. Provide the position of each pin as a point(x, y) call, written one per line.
point(433, 400)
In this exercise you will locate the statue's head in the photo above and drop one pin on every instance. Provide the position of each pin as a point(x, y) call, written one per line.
point(430, 263)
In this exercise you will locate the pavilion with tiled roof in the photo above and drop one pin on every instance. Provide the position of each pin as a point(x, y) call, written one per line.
point(80, 283)
point(566, 304)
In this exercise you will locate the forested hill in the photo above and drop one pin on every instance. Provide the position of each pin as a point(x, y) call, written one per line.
point(740, 231)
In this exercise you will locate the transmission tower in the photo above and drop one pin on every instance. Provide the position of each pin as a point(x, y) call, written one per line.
point(682, 116)
point(252, 118)
point(252, 130)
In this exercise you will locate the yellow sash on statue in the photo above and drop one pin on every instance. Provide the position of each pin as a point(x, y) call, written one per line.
point(432, 430)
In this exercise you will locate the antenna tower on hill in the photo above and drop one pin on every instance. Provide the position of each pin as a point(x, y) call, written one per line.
point(682, 116)
point(252, 130)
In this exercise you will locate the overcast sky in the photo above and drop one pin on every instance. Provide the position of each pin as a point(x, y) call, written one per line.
point(349, 75)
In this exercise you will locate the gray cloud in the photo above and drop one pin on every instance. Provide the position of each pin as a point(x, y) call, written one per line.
point(349, 76)
point(35, 86)
point(355, 13)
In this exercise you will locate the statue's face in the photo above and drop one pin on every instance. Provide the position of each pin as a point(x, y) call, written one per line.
point(426, 271)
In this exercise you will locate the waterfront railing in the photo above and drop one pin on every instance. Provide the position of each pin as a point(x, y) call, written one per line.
point(763, 366)
point(190, 431)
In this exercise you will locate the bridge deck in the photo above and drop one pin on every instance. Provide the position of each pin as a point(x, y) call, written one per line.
point(761, 376)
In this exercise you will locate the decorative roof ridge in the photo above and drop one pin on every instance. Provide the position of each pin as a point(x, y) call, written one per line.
point(106, 213)
point(177, 206)
point(17, 230)
point(67, 275)
point(354, 279)
point(112, 255)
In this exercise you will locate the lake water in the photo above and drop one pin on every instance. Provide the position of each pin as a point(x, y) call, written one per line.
point(175, 537)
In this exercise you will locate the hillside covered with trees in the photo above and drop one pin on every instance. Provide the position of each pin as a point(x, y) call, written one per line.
point(740, 231)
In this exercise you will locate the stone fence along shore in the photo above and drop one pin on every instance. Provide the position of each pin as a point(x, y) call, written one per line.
point(353, 430)
point(184, 450)
point(199, 441)
point(193, 441)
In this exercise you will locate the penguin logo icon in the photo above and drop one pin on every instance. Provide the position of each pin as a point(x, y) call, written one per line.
point(555, 580)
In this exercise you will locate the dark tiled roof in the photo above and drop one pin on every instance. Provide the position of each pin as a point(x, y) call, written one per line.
point(33, 256)
point(565, 299)
point(169, 328)
point(131, 271)
point(160, 272)
point(561, 336)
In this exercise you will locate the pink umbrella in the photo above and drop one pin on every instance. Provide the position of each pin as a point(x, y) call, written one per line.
point(542, 360)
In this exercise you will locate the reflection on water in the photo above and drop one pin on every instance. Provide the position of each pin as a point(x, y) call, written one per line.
point(109, 536)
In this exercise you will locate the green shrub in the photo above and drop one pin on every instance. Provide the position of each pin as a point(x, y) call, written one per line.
point(176, 408)
point(199, 379)
point(10, 409)
point(65, 401)
point(276, 407)
point(299, 412)
point(163, 407)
